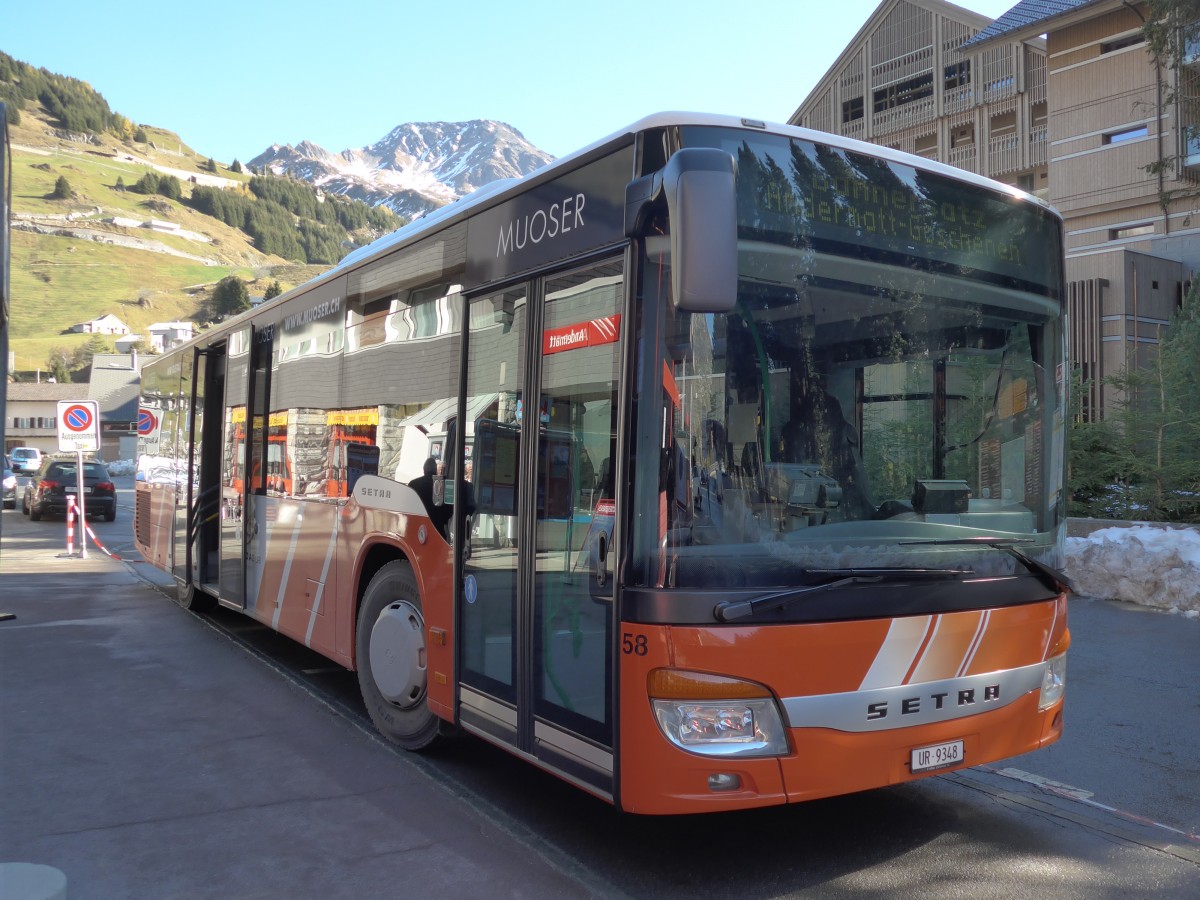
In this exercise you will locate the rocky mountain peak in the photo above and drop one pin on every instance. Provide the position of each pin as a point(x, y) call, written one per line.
point(415, 167)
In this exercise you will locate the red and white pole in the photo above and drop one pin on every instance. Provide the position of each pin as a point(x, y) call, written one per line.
point(79, 484)
point(70, 524)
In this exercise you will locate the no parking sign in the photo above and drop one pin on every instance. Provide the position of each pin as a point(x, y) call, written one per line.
point(78, 426)
point(149, 427)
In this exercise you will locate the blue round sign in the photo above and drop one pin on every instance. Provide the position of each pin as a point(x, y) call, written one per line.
point(77, 418)
point(147, 422)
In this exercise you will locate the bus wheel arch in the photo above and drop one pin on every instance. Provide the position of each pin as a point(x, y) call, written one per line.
point(389, 644)
point(192, 598)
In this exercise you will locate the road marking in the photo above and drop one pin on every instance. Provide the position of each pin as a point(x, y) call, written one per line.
point(1083, 796)
point(1056, 787)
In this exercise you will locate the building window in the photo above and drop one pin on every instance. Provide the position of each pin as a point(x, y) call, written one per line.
point(1003, 83)
point(1130, 40)
point(903, 92)
point(962, 136)
point(852, 109)
point(1127, 134)
point(1116, 234)
point(957, 75)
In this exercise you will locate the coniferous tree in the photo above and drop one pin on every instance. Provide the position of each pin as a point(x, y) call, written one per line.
point(62, 189)
point(1143, 460)
point(230, 296)
point(1172, 30)
point(81, 359)
point(1177, 437)
point(236, 167)
point(59, 363)
point(273, 291)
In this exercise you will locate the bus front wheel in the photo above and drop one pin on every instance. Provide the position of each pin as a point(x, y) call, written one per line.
point(391, 659)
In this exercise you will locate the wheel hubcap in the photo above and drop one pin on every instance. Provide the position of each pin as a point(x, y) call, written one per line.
point(398, 654)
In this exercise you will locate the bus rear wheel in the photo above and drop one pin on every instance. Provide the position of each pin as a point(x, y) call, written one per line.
point(192, 598)
point(391, 659)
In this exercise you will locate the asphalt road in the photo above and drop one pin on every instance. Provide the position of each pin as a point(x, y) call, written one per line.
point(1112, 810)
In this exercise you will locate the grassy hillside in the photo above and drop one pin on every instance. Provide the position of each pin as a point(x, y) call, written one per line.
point(74, 268)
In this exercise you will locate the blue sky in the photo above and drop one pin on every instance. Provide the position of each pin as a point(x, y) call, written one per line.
point(231, 78)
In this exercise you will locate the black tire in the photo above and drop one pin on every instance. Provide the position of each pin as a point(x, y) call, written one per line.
point(394, 691)
point(110, 514)
point(191, 598)
point(24, 505)
point(35, 514)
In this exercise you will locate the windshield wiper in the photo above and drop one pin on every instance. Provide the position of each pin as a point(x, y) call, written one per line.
point(728, 610)
point(1051, 577)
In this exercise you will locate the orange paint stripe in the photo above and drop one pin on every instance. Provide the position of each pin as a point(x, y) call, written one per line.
point(930, 631)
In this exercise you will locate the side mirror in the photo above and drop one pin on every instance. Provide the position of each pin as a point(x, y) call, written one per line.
point(698, 188)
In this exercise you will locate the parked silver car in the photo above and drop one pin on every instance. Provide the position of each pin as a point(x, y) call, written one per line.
point(25, 460)
point(10, 489)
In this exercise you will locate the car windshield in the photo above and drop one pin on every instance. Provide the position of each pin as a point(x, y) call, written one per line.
point(891, 373)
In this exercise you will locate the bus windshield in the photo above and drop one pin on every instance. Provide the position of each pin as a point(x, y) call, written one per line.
point(890, 376)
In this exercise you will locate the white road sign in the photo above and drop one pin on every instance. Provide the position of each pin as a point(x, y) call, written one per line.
point(78, 426)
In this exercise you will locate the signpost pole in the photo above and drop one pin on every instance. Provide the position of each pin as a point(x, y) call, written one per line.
point(70, 525)
point(82, 504)
point(79, 430)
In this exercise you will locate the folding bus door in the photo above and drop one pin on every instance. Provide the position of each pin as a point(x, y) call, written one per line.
point(233, 451)
point(536, 615)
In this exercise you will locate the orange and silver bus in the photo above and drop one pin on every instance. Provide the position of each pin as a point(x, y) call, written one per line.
point(736, 455)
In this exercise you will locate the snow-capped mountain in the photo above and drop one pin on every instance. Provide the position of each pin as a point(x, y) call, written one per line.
point(417, 167)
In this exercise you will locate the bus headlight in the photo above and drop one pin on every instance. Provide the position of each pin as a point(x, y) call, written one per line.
point(1054, 682)
point(716, 716)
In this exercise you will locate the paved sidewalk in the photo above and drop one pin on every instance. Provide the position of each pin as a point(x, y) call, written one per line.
point(142, 754)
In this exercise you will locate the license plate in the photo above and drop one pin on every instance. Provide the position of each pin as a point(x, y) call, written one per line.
point(937, 756)
point(87, 490)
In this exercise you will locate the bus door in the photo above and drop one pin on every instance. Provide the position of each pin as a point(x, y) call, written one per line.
point(204, 522)
point(231, 458)
point(253, 457)
point(182, 449)
point(535, 600)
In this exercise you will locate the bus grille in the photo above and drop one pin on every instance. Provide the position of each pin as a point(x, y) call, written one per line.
point(141, 518)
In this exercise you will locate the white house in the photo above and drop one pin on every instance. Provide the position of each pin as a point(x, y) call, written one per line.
point(165, 335)
point(106, 324)
point(32, 413)
point(124, 344)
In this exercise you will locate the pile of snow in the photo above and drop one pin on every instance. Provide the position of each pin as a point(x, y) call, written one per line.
point(121, 467)
point(1144, 564)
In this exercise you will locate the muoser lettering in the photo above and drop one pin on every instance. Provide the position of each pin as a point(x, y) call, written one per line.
point(544, 224)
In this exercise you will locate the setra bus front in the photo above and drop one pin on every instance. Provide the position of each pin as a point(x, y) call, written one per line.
point(846, 569)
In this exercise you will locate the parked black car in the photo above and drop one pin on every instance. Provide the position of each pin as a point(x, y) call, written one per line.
point(47, 491)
